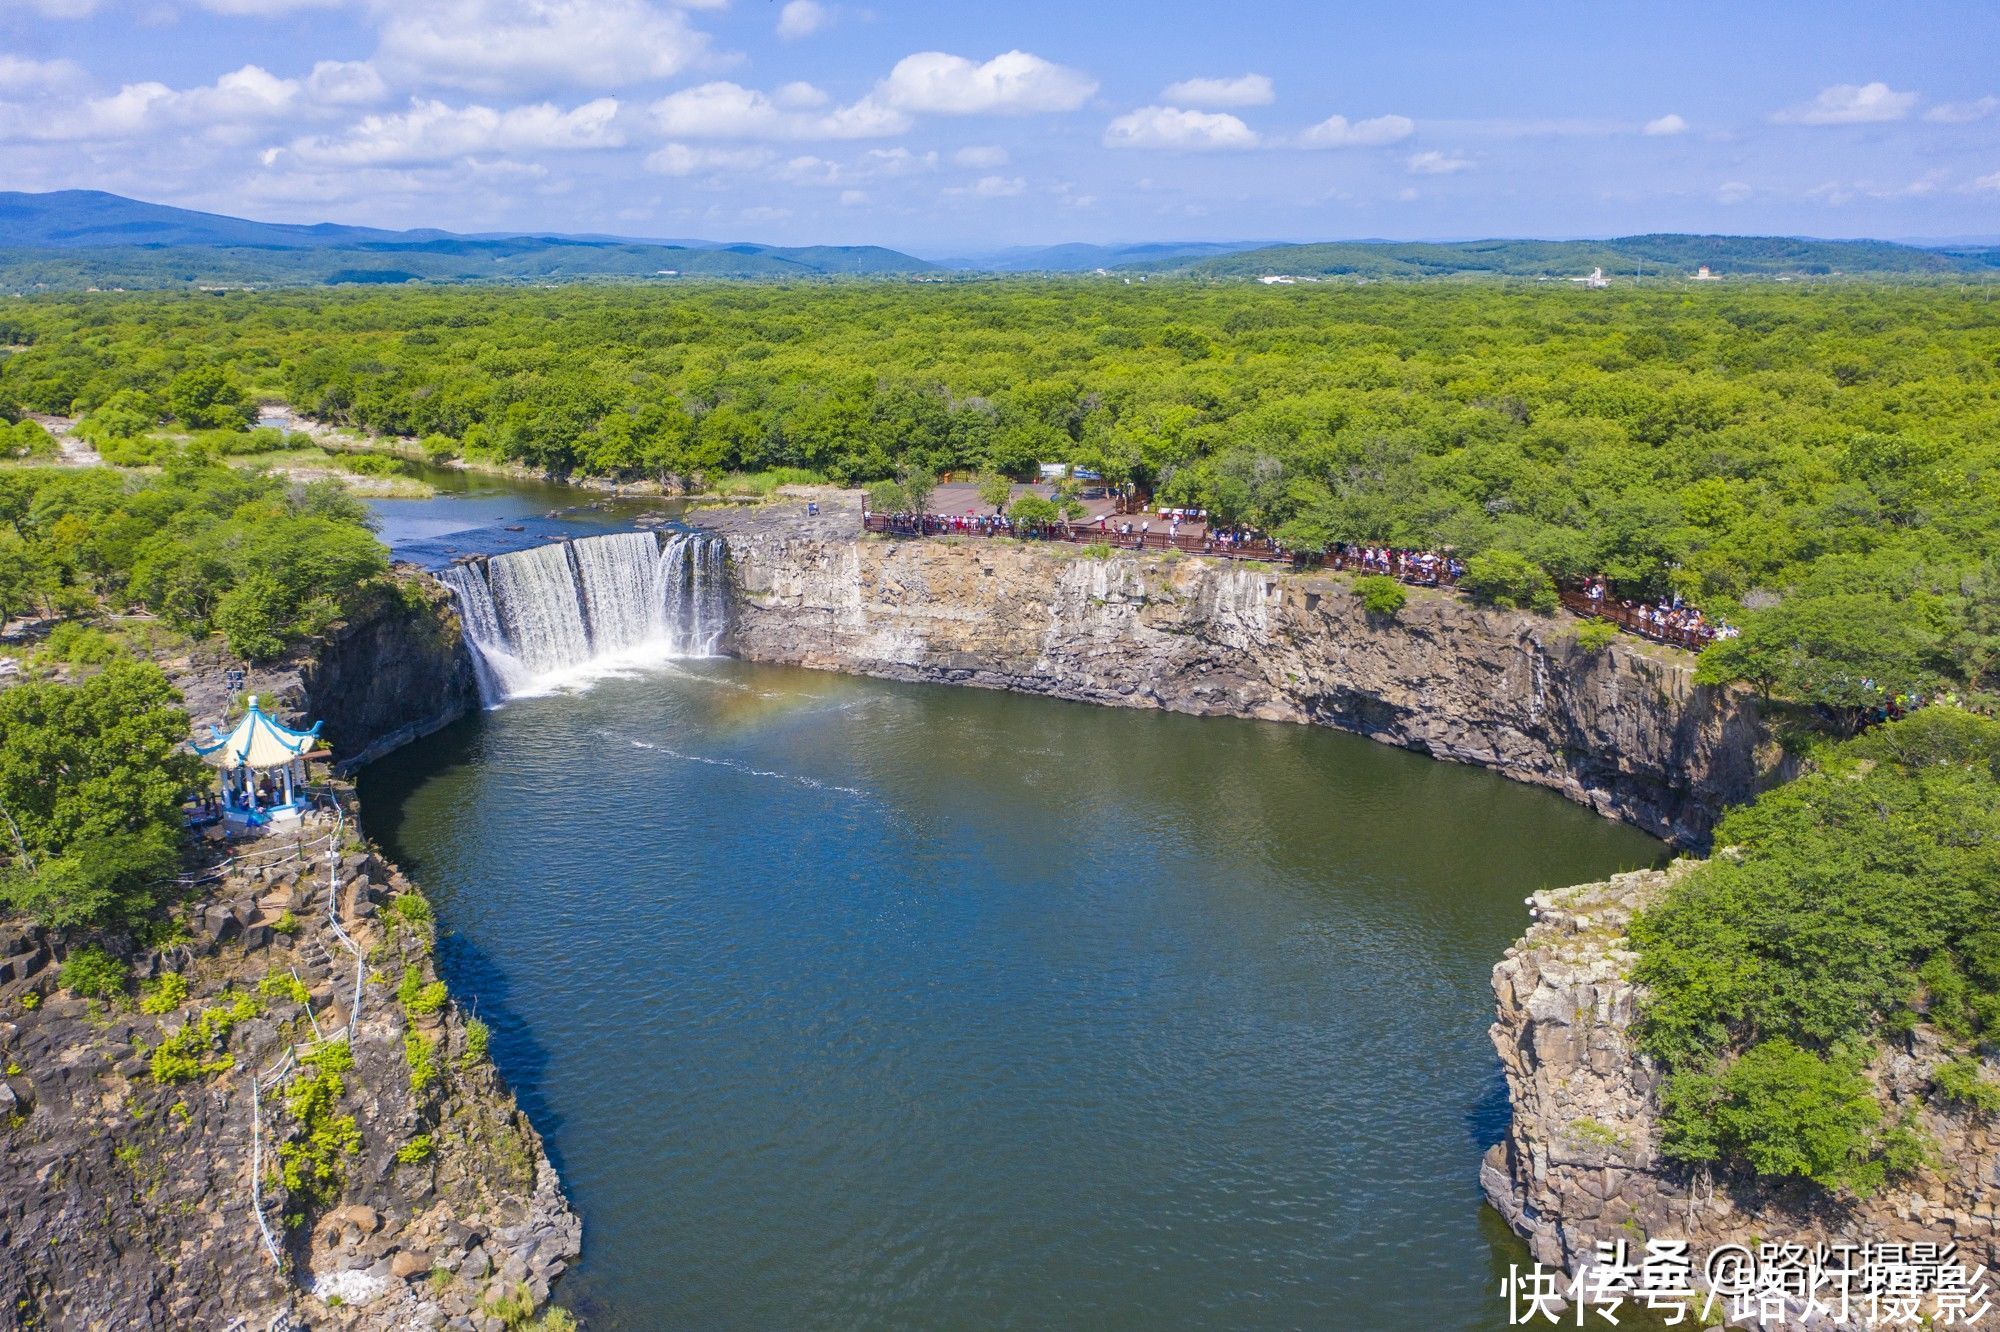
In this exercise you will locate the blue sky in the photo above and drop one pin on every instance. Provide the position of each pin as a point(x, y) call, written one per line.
point(949, 127)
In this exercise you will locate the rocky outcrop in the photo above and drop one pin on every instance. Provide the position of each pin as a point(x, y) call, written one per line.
point(127, 1146)
point(1581, 1161)
point(392, 674)
point(1625, 730)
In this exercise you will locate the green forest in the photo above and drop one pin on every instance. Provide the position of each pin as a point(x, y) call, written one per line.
point(1817, 461)
point(1820, 464)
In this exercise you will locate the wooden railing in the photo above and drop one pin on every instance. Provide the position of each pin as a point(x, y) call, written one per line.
point(1417, 571)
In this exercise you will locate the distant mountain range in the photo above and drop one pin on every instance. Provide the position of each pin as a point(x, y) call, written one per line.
point(75, 239)
point(1623, 255)
point(84, 238)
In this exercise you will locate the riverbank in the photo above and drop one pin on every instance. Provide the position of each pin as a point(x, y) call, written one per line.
point(1622, 728)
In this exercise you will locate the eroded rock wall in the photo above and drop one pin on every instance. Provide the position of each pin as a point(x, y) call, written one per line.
point(1625, 730)
point(1581, 1162)
point(125, 1189)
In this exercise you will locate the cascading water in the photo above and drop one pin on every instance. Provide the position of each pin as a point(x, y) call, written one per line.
point(533, 616)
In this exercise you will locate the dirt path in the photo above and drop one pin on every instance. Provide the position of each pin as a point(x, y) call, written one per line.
point(70, 448)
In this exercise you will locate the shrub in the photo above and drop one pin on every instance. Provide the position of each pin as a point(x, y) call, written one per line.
point(1510, 581)
point(164, 995)
point(287, 922)
point(93, 973)
point(417, 1149)
point(284, 985)
point(886, 497)
point(81, 645)
point(1961, 1079)
point(477, 1037)
point(1594, 636)
point(420, 1052)
point(419, 999)
point(1033, 511)
point(1381, 595)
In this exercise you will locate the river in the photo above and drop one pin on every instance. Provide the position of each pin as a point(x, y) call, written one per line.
point(845, 1003)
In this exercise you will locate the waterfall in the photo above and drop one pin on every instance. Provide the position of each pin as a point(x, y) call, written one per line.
point(535, 616)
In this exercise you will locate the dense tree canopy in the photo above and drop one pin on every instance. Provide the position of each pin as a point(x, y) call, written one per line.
point(1725, 444)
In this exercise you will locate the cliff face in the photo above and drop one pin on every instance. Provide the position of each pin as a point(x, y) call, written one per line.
point(1625, 730)
point(126, 1174)
point(392, 674)
point(1581, 1159)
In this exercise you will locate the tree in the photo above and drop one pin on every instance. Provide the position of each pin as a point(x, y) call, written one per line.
point(886, 497)
point(918, 483)
point(91, 779)
point(1032, 510)
point(1849, 654)
point(994, 490)
point(1505, 579)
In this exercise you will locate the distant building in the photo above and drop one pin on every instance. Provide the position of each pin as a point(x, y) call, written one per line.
point(1596, 278)
point(1277, 279)
point(1703, 275)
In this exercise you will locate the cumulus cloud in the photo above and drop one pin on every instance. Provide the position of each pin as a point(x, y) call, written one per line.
point(431, 131)
point(723, 110)
point(1959, 113)
point(345, 83)
point(1244, 90)
point(1435, 163)
point(1014, 83)
point(1850, 104)
point(1733, 192)
point(1339, 132)
point(802, 18)
point(991, 187)
point(1667, 124)
point(876, 163)
point(499, 46)
point(1174, 127)
point(981, 155)
point(19, 75)
point(1991, 182)
point(236, 102)
point(680, 159)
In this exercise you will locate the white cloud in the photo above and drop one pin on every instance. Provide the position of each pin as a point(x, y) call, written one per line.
point(62, 9)
point(1670, 123)
point(236, 102)
point(1991, 182)
point(1172, 127)
point(876, 163)
point(503, 46)
point(992, 187)
point(1014, 83)
point(765, 214)
point(981, 155)
point(345, 83)
point(849, 198)
point(1850, 104)
point(1435, 163)
point(800, 97)
point(724, 110)
point(1733, 192)
point(1339, 132)
point(1958, 113)
point(802, 18)
point(679, 159)
point(431, 131)
point(20, 75)
point(264, 8)
point(1244, 90)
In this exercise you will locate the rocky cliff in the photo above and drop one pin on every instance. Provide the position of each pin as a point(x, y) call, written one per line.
point(1581, 1160)
point(400, 1185)
point(1625, 730)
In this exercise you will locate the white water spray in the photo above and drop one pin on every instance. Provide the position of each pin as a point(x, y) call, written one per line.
point(538, 616)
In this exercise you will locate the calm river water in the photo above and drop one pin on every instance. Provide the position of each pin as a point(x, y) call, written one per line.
point(853, 1004)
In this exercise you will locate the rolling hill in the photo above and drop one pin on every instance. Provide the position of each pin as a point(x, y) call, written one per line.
point(74, 239)
point(1739, 255)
